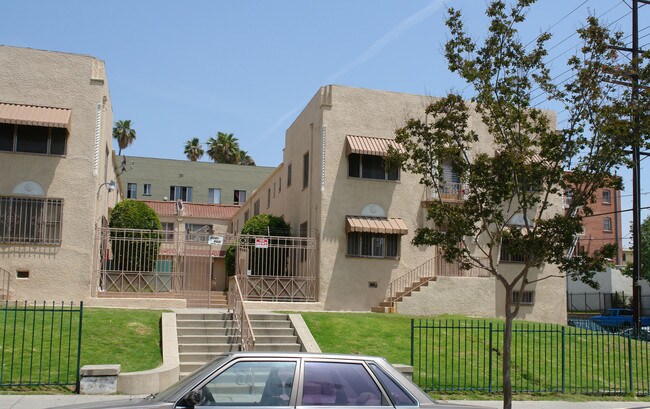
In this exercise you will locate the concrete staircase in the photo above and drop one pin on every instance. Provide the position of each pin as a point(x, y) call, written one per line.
point(388, 305)
point(274, 332)
point(203, 336)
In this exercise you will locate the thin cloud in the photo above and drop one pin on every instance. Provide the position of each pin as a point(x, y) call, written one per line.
point(369, 53)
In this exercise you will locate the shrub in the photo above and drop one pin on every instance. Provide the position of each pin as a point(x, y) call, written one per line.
point(135, 250)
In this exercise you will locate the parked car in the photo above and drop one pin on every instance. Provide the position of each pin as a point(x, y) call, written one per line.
point(643, 334)
point(264, 379)
point(618, 318)
point(585, 324)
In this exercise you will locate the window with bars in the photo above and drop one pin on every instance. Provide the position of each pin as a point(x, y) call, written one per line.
point(508, 255)
point(30, 220)
point(373, 245)
point(523, 297)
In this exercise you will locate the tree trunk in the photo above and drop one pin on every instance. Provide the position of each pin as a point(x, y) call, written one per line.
point(507, 352)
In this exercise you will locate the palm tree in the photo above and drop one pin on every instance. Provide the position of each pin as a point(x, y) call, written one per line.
point(224, 149)
point(124, 134)
point(193, 149)
point(245, 159)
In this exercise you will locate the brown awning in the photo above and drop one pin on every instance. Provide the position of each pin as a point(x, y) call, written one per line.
point(366, 224)
point(34, 115)
point(366, 145)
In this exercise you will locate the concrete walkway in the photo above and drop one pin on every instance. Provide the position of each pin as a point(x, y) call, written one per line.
point(48, 401)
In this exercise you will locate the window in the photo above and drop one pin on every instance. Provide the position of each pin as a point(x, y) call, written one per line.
point(607, 224)
point(524, 297)
point(305, 170)
point(131, 190)
point(33, 139)
point(268, 199)
point(510, 256)
point(240, 197)
point(146, 189)
point(251, 383)
point(198, 232)
point(214, 195)
point(256, 207)
point(289, 175)
point(397, 393)
point(246, 216)
point(339, 384)
point(370, 167)
point(607, 197)
point(279, 185)
point(183, 193)
point(168, 230)
point(373, 244)
point(304, 229)
point(30, 220)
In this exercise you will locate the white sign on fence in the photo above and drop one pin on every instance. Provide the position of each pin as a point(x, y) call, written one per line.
point(261, 243)
point(215, 240)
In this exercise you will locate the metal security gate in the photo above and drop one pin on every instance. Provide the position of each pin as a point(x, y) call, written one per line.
point(272, 268)
point(134, 263)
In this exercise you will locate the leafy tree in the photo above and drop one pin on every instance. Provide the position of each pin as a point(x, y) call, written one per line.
point(136, 238)
point(645, 252)
point(193, 149)
point(515, 175)
point(124, 134)
point(223, 149)
point(274, 259)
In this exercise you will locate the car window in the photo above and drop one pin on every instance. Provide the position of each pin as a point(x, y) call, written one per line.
point(339, 384)
point(397, 394)
point(251, 383)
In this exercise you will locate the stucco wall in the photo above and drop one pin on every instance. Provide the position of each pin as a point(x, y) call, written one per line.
point(78, 83)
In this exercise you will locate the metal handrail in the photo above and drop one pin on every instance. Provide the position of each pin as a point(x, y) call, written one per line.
point(240, 316)
point(5, 284)
point(447, 191)
point(435, 267)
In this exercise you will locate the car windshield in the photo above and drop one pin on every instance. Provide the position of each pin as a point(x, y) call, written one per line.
point(168, 395)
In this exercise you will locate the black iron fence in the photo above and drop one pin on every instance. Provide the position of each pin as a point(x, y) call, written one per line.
point(41, 344)
point(453, 355)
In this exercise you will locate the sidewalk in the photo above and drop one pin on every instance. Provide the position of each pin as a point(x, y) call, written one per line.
point(47, 401)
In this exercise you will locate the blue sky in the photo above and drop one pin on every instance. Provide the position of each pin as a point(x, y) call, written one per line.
point(188, 69)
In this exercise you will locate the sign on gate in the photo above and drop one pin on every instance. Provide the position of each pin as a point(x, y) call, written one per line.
point(215, 240)
point(261, 243)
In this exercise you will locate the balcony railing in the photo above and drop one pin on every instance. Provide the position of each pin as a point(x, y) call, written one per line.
point(449, 192)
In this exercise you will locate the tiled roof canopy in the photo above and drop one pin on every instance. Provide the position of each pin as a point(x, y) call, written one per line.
point(366, 145)
point(199, 210)
point(34, 115)
point(366, 224)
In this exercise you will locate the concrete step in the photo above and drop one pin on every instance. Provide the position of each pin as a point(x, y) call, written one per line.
point(207, 331)
point(208, 339)
point(205, 324)
point(276, 347)
point(268, 316)
point(273, 331)
point(182, 316)
point(192, 357)
point(205, 348)
point(281, 339)
point(270, 324)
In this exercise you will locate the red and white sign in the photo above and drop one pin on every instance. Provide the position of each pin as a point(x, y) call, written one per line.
point(261, 243)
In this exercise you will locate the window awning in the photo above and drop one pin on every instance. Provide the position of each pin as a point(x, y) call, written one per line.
point(366, 145)
point(34, 115)
point(367, 224)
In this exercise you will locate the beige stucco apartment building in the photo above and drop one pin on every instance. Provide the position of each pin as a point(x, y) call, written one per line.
point(332, 185)
point(56, 163)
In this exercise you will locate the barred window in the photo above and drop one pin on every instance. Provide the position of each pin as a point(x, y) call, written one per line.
point(510, 256)
point(30, 220)
point(524, 297)
point(373, 244)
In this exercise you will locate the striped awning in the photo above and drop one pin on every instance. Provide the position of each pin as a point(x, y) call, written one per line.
point(34, 115)
point(366, 224)
point(366, 145)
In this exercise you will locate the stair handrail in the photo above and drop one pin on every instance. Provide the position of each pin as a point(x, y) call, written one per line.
point(240, 316)
point(434, 267)
point(5, 284)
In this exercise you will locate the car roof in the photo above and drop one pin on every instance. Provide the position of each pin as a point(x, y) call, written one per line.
point(263, 354)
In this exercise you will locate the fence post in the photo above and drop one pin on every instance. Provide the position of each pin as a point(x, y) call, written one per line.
point(563, 361)
point(78, 382)
point(490, 361)
point(629, 357)
point(412, 341)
